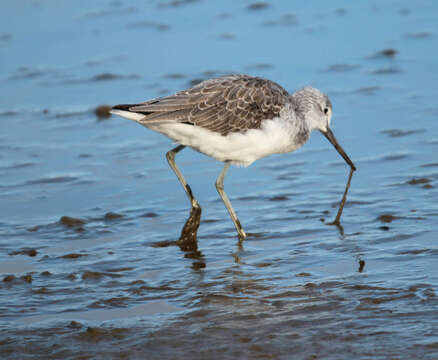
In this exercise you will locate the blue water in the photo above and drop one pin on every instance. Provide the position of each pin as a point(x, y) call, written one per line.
point(112, 279)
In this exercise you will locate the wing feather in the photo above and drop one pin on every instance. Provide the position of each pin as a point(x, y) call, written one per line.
point(232, 103)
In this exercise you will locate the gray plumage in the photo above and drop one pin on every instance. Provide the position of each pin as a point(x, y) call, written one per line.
point(231, 103)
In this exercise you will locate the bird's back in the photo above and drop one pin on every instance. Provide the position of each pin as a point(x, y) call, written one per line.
point(224, 105)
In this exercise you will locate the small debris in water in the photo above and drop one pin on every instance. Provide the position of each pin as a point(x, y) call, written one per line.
point(387, 70)
point(400, 132)
point(284, 20)
point(42, 290)
point(93, 275)
point(385, 53)
point(103, 112)
point(388, 52)
point(310, 286)
point(303, 274)
point(416, 181)
point(368, 90)
point(28, 252)
point(149, 215)
point(226, 36)
point(75, 325)
point(73, 256)
point(71, 221)
point(262, 265)
point(149, 24)
point(387, 218)
point(176, 3)
point(258, 6)
point(279, 198)
point(71, 276)
point(342, 67)
point(105, 77)
point(94, 332)
point(27, 278)
point(112, 216)
point(260, 66)
point(9, 278)
point(174, 76)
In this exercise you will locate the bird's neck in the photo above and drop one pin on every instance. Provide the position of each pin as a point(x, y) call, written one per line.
point(299, 128)
point(304, 111)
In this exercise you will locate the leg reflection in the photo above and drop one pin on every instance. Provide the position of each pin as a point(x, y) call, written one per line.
point(188, 242)
point(188, 238)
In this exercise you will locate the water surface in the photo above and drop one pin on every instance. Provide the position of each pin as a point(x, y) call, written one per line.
point(90, 211)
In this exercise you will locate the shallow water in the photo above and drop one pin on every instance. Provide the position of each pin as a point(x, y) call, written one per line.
point(90, 211)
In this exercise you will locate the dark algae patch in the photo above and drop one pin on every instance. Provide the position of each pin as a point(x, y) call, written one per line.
point(400, 132)
point(9, 278)
point(416, 181)
point(28, 252)
point(387, 218)
point(27, 278)
point(112, 216)
point(71, 221)
point(388, 53)
point(73, 256)
point(258, 6)
point(92, 275)
point(96, 334)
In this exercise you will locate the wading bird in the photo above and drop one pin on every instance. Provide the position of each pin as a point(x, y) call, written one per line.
point(237, 119)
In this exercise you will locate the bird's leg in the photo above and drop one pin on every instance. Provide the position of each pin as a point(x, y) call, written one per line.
point(220, 190)
point(170, 155)
point(344, 198)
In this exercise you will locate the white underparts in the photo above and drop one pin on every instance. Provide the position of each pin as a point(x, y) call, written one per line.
point(275, 136)
point(239, 148)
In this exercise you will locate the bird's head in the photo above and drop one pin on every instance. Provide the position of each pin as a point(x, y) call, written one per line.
point(316, 108)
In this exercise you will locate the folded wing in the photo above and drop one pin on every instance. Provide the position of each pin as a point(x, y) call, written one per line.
point(232, 103)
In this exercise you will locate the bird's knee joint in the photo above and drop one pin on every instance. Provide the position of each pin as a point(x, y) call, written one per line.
point(219, 186)
point(189, 191)
point(170, 156)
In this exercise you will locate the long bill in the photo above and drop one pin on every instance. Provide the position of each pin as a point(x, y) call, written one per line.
point(330, 137)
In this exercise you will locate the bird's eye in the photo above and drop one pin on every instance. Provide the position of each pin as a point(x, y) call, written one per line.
point(326, 111)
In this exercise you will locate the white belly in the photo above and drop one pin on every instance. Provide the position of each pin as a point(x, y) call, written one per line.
point(274, 137)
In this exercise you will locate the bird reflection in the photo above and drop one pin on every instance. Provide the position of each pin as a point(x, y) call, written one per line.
point(339, 227)
point(188, 242)
point(188, 238)
point(337, 219)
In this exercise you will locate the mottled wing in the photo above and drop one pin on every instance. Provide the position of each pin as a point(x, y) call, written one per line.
point(233, 103)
